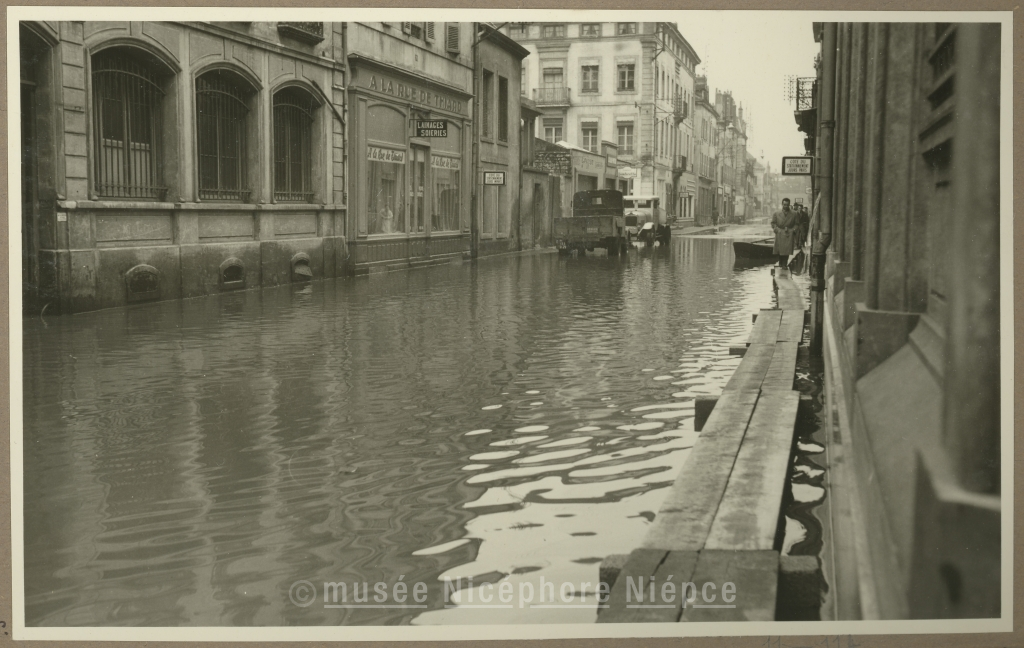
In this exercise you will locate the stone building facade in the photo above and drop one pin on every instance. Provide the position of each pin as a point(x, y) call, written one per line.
point(908, 127)
point(165, 160)
point(631, 84)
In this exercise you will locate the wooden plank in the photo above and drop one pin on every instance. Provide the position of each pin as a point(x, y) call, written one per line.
point(751, 371)
point(782, 369)
point(642, 563)
point(748, 516)
point(754, 576)
point(791, 328)
point(766, 327)
point(630, 600)
point(685, 517)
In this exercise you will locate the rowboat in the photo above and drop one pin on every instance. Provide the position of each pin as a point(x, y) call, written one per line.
point(755, 250)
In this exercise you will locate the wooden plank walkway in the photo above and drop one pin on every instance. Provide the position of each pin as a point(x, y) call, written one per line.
point(722, 520)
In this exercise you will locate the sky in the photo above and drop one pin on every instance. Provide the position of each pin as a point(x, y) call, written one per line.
point(751, 53)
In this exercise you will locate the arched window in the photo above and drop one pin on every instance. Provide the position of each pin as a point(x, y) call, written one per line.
point(293, 145)
point(222, 110)
point(127, 97)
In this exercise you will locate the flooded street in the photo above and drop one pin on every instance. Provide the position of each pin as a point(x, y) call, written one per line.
point(516, 419)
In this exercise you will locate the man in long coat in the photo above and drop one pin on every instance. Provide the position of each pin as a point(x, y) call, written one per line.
point(785, 223)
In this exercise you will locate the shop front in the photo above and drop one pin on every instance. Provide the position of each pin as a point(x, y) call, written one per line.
point(409, 192)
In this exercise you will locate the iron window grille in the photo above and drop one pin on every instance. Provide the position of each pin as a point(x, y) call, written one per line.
point(222, 114)
point(294, 111)
point(127, 100)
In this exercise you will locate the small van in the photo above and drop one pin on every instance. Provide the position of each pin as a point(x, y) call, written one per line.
point(644, 219)
point(641, 209)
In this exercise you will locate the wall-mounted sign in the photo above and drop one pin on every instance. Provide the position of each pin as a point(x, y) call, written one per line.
point(437, 128)
point(442, 162)
point(627, 172)
point(407, 92)
point(385, 155)
point(797, 165)
point(494, 177)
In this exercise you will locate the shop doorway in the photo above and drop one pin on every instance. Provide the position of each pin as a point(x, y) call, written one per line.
point(418, 190)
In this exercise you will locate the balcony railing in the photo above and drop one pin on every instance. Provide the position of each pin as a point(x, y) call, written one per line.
point(309, 32)
point(680, 108)
point(551, 96)
point(679, 165)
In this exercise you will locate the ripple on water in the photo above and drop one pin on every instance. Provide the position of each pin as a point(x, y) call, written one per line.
point(175, 442)
point(532, 428)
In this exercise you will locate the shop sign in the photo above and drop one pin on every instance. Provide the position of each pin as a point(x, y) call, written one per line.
point(587, 161)
point(375, 154)
point(494, 177)
point(384, 85)
point(441, 162)
point(627, 173)
point(797, 165)
point(436, 128)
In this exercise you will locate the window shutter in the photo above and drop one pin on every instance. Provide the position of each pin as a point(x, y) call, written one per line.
point(451, 43)
point(428, 29)
point(406, 27)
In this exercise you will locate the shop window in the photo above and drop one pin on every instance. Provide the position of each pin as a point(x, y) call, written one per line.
point(625, 138)
point(502, 109)
point(446, 167)
point(222, 110)
point(294, 111)
point(127, 109)
point(386, 158)
point(588, 78)
point(626, 77)
point(487, 100)
point(624, 29)
point(588, 131)
point(590, 30)
point(447, 189)
point(552, 130)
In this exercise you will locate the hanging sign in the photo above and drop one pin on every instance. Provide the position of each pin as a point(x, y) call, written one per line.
point(375, 154)
point(494, 177)
point(797, 165)
point(436, 128)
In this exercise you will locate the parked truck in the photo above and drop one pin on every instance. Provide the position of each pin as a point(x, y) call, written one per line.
point(596, 222)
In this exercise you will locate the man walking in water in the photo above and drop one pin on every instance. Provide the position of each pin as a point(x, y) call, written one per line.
point(785, 224)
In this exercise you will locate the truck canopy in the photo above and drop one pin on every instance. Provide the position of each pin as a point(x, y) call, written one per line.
point(597, 202)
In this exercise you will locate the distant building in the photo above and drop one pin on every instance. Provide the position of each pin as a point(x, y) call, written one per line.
point(732, 157)
point(705, 154)
point(627, 83)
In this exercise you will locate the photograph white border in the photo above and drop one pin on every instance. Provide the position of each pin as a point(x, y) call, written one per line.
point(540, 631)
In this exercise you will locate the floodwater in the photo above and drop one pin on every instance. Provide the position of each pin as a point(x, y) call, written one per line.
point(516, 419)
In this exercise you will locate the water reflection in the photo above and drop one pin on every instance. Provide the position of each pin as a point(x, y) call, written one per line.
point(186, 462)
